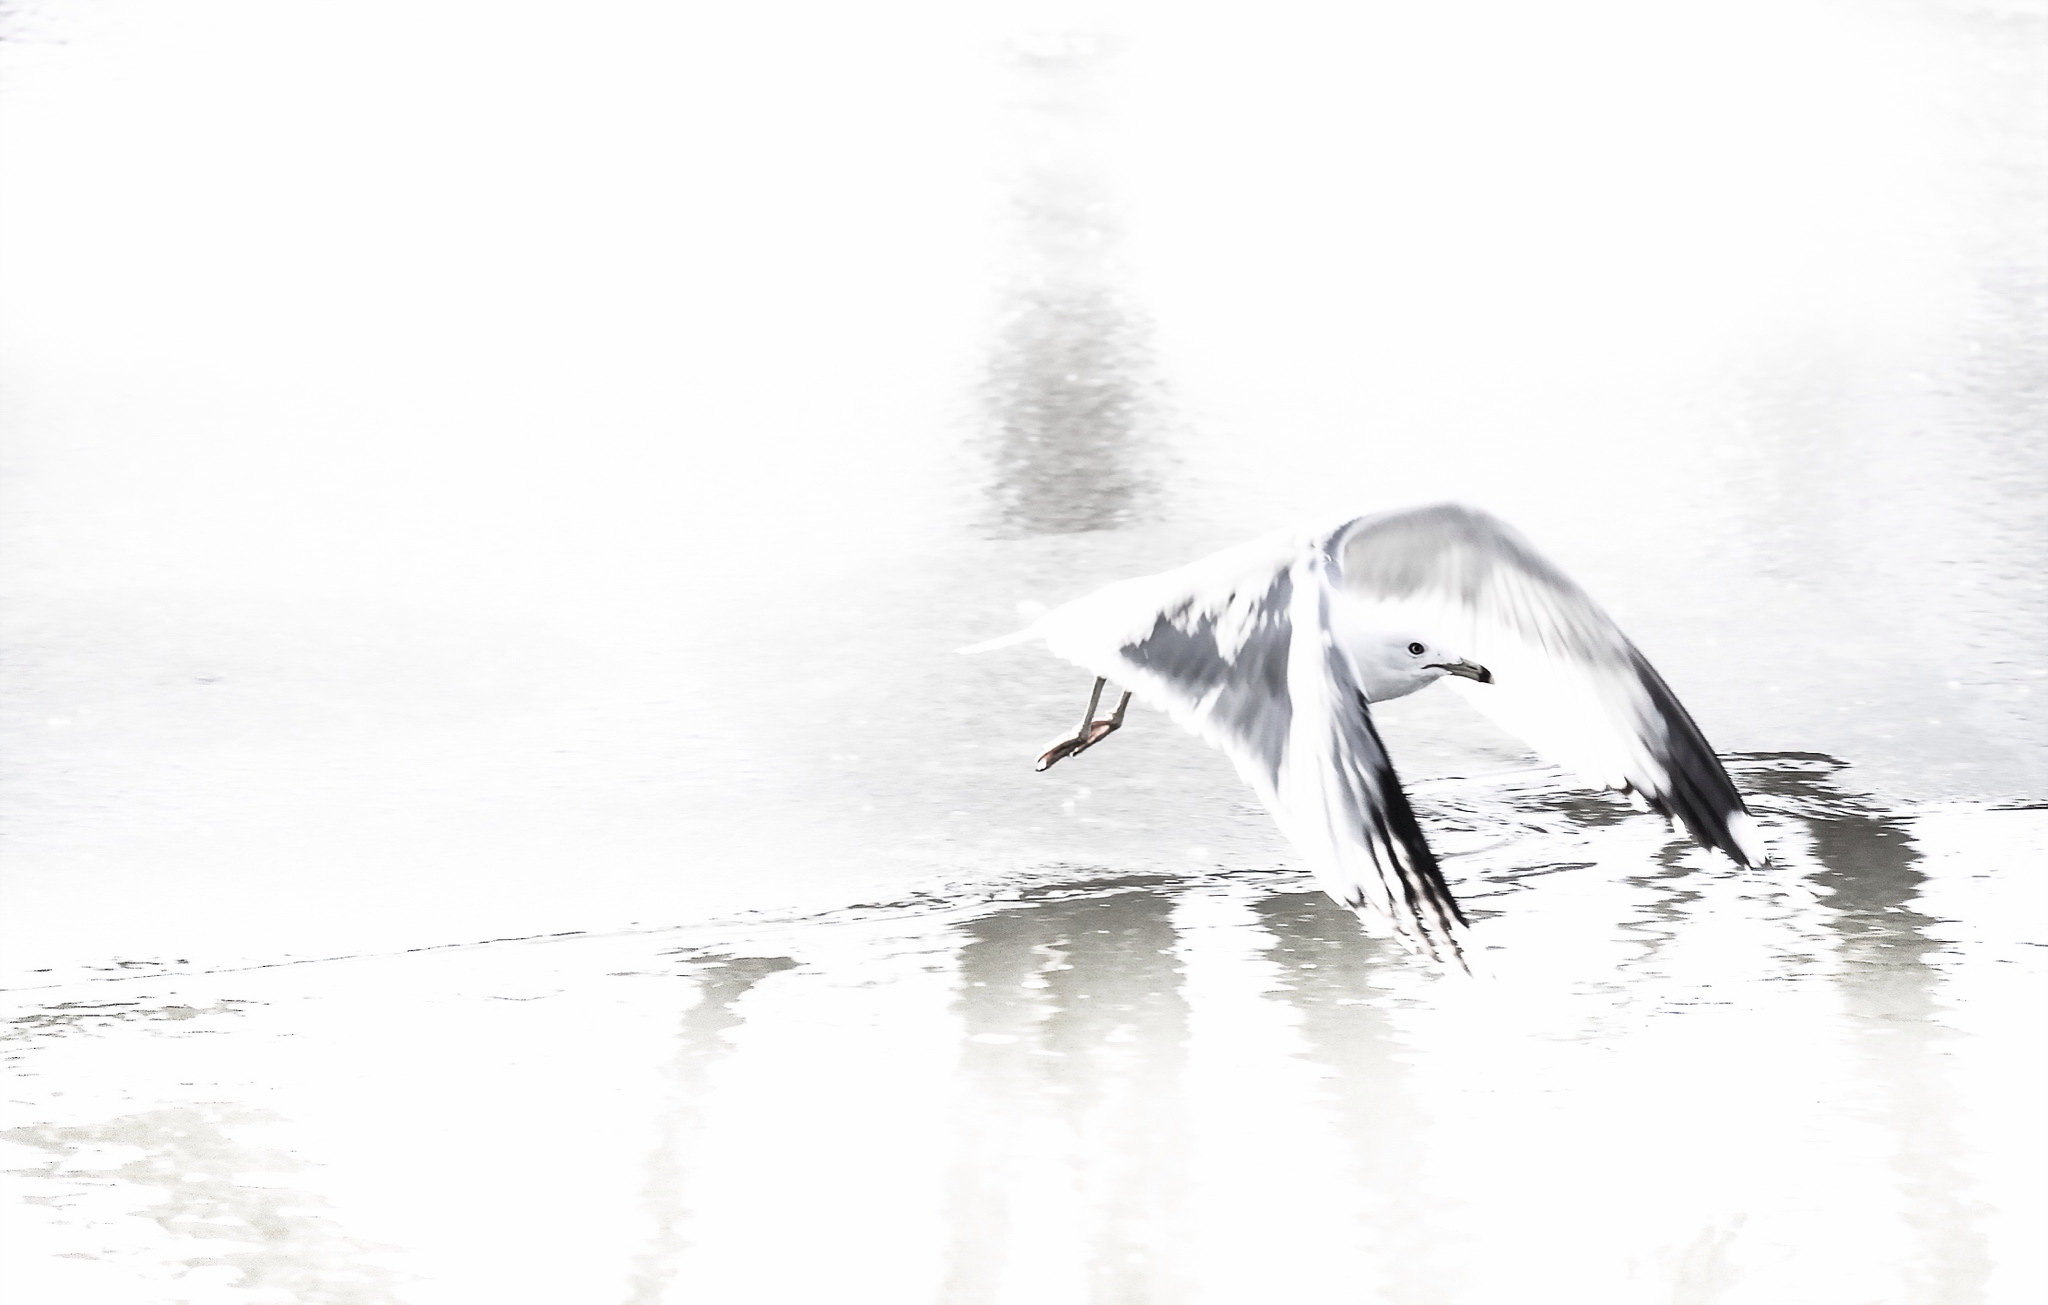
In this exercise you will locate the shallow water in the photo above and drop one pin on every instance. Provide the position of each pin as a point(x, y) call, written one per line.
point(1675, 1081)
point(524, 481)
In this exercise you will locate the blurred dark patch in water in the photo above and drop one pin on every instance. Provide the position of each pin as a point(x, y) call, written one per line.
point(1868, 864)
point(1327, 966)
point(700, 1045)
point(1890, 983)
point(1069, 394)
point(74, 1018)
point(284, 1246)
point(1072, 1007)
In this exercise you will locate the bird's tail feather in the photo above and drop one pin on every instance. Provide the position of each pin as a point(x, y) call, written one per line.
point(1025, 635)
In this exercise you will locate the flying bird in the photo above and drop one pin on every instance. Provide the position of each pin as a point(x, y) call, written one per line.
point(1274, 651)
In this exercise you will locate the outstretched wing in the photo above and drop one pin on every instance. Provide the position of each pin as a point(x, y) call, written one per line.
point(1565, 678)
point(1235, 649)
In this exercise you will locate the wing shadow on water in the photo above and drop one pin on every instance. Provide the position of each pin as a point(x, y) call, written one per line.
point(701, 1043)
point(1075, 1026)
point(1889, 981)
point(1068, 395)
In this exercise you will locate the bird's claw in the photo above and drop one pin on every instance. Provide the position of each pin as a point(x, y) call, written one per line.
point(1074, 745)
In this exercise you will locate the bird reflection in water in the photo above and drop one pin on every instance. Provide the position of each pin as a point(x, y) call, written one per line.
point(1327, 967)
point(1890, 981)
point(1071, 1006)
point(1079, 1159)
point(700, 1045)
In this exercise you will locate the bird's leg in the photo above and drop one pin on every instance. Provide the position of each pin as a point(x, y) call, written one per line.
point(1092, 731)
point(1094, 701)
point(1116, 718)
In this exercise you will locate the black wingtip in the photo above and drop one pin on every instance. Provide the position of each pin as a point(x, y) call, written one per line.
point(1700, 795)
point(1432, 909)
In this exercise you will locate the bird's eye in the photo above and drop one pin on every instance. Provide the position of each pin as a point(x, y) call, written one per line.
point(1416, 649)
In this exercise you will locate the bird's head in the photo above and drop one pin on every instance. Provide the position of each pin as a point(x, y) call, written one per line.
point(1397, 663)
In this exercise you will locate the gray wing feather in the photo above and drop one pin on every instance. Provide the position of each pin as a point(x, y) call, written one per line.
point(1245, 671)
point(1222, 663)
point(1565, 677)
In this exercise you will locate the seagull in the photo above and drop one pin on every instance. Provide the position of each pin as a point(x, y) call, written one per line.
point(1275, 651)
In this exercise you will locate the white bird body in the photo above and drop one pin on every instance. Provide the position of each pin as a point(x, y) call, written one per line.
point(1273, 650)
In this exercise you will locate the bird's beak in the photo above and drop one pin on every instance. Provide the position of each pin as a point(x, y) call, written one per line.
point(1470, 670)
